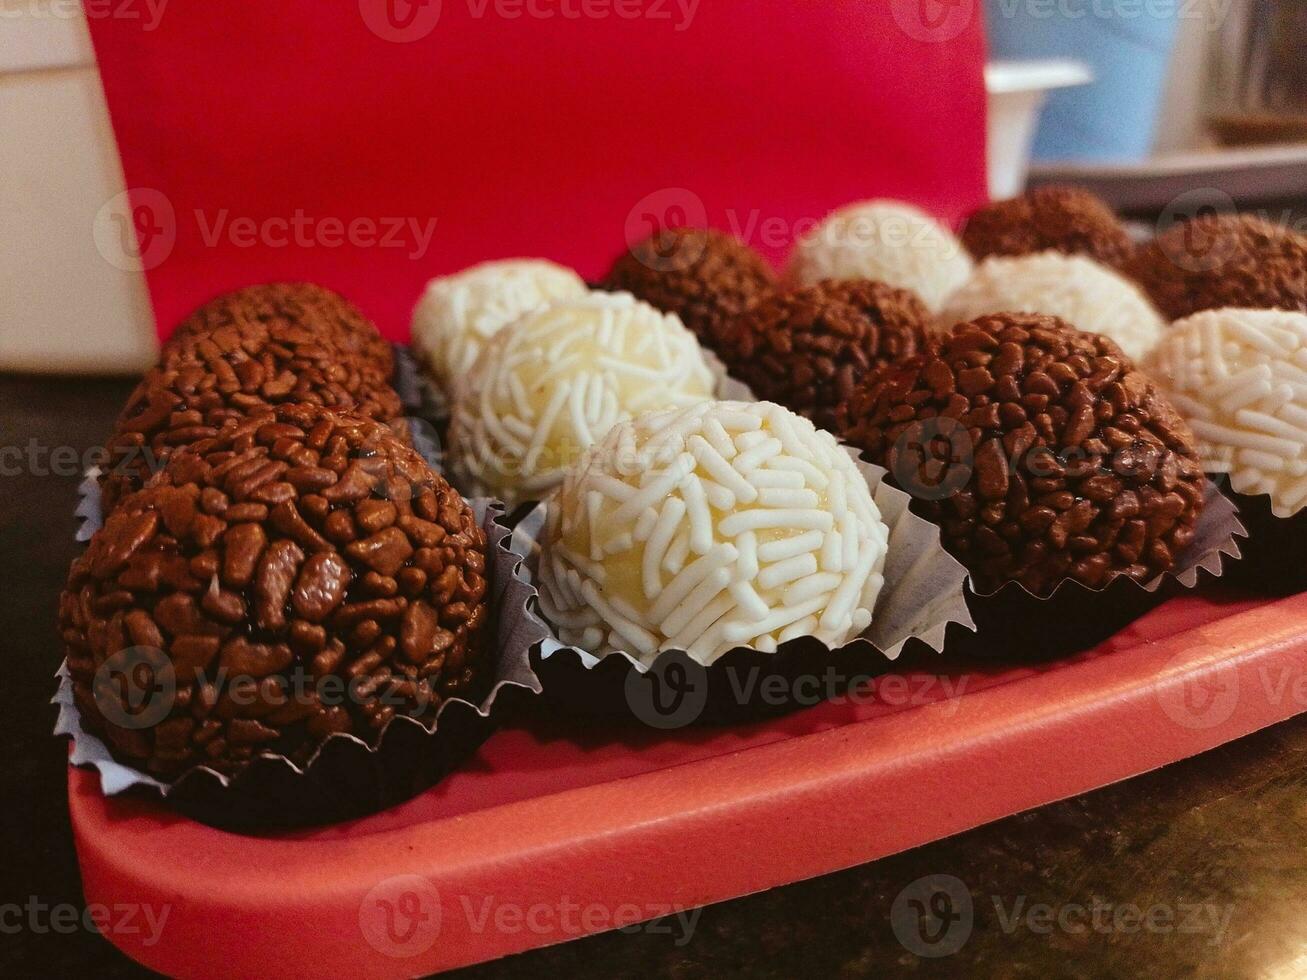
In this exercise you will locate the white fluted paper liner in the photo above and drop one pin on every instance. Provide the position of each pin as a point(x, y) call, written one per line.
point(922, 595)
point(511, 644)
point(89, 518)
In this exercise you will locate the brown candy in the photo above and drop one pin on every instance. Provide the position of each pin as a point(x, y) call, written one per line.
point(261, 632)
point(231, 371)
point(811, 348)
point(1040, 450)
point(1214, 261)
point(303, 304)
point(705, 277)
point(1064, 219)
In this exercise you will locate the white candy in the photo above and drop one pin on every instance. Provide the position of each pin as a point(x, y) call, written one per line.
point(700, 577)
point(457, 313)
point(889, 241)
point(1240, 379)
point(554, 382)
point(1081, 291)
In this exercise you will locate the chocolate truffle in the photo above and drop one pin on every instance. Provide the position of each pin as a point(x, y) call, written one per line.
point(1074, 288)
point(230, 371)
point(810, 348)
point(550, 385)
point(705, 528)
point(458, 313)
point(302, 304)
point(887, 241)
point(1065, 219)
point(1039, 449)
point(706, 277)
point(1239, 377)
point(1224, 260)
point(299, 574)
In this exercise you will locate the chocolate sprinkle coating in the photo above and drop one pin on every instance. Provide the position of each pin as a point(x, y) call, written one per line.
point(1063, 219)
point(228, 372)
point(705, 277)
point(299, 574)
point(811, 348)
point(1215, 261)
point(1050, 456)
point(303, 304)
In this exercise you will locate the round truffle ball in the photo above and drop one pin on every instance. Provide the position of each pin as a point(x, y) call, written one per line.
point(1239, 378)
point(1073, 288)
point(458, 313)
point(1065, 219)
point(706, 277)
point(302, 304)
point(886, 241)
point(1041, 452)
point(810, 348)
point(1215, 261)
point(551, 384)
point(227, 372)
point(705, 528)
point(299, 574)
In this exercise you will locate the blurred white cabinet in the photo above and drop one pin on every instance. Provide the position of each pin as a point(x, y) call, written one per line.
point(65, 306)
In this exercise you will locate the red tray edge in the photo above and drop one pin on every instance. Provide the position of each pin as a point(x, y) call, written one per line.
point(694, 834)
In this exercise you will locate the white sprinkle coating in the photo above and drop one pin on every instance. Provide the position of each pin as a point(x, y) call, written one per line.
point(783, 560)
point(551, 384)
point(889, 241)
point(1081, 291)
point(457, 313)
point(1234, 375)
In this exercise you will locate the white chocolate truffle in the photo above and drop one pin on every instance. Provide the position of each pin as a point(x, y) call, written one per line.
point(1082, 292)
point(705, 528)
point(458, 313)
point(551, 384)
point(1239, 377)
point(889, 241)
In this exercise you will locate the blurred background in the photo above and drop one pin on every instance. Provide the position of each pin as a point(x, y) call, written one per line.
point(1141, 100)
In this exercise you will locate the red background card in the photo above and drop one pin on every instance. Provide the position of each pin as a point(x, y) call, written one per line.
point(370, 144)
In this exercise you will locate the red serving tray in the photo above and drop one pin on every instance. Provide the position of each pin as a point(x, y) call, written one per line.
point(561, 829)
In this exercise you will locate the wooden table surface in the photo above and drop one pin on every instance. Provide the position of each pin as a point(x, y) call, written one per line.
point(1193, 870)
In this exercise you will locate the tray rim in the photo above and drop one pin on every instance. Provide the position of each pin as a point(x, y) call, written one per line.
point(742, 821)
